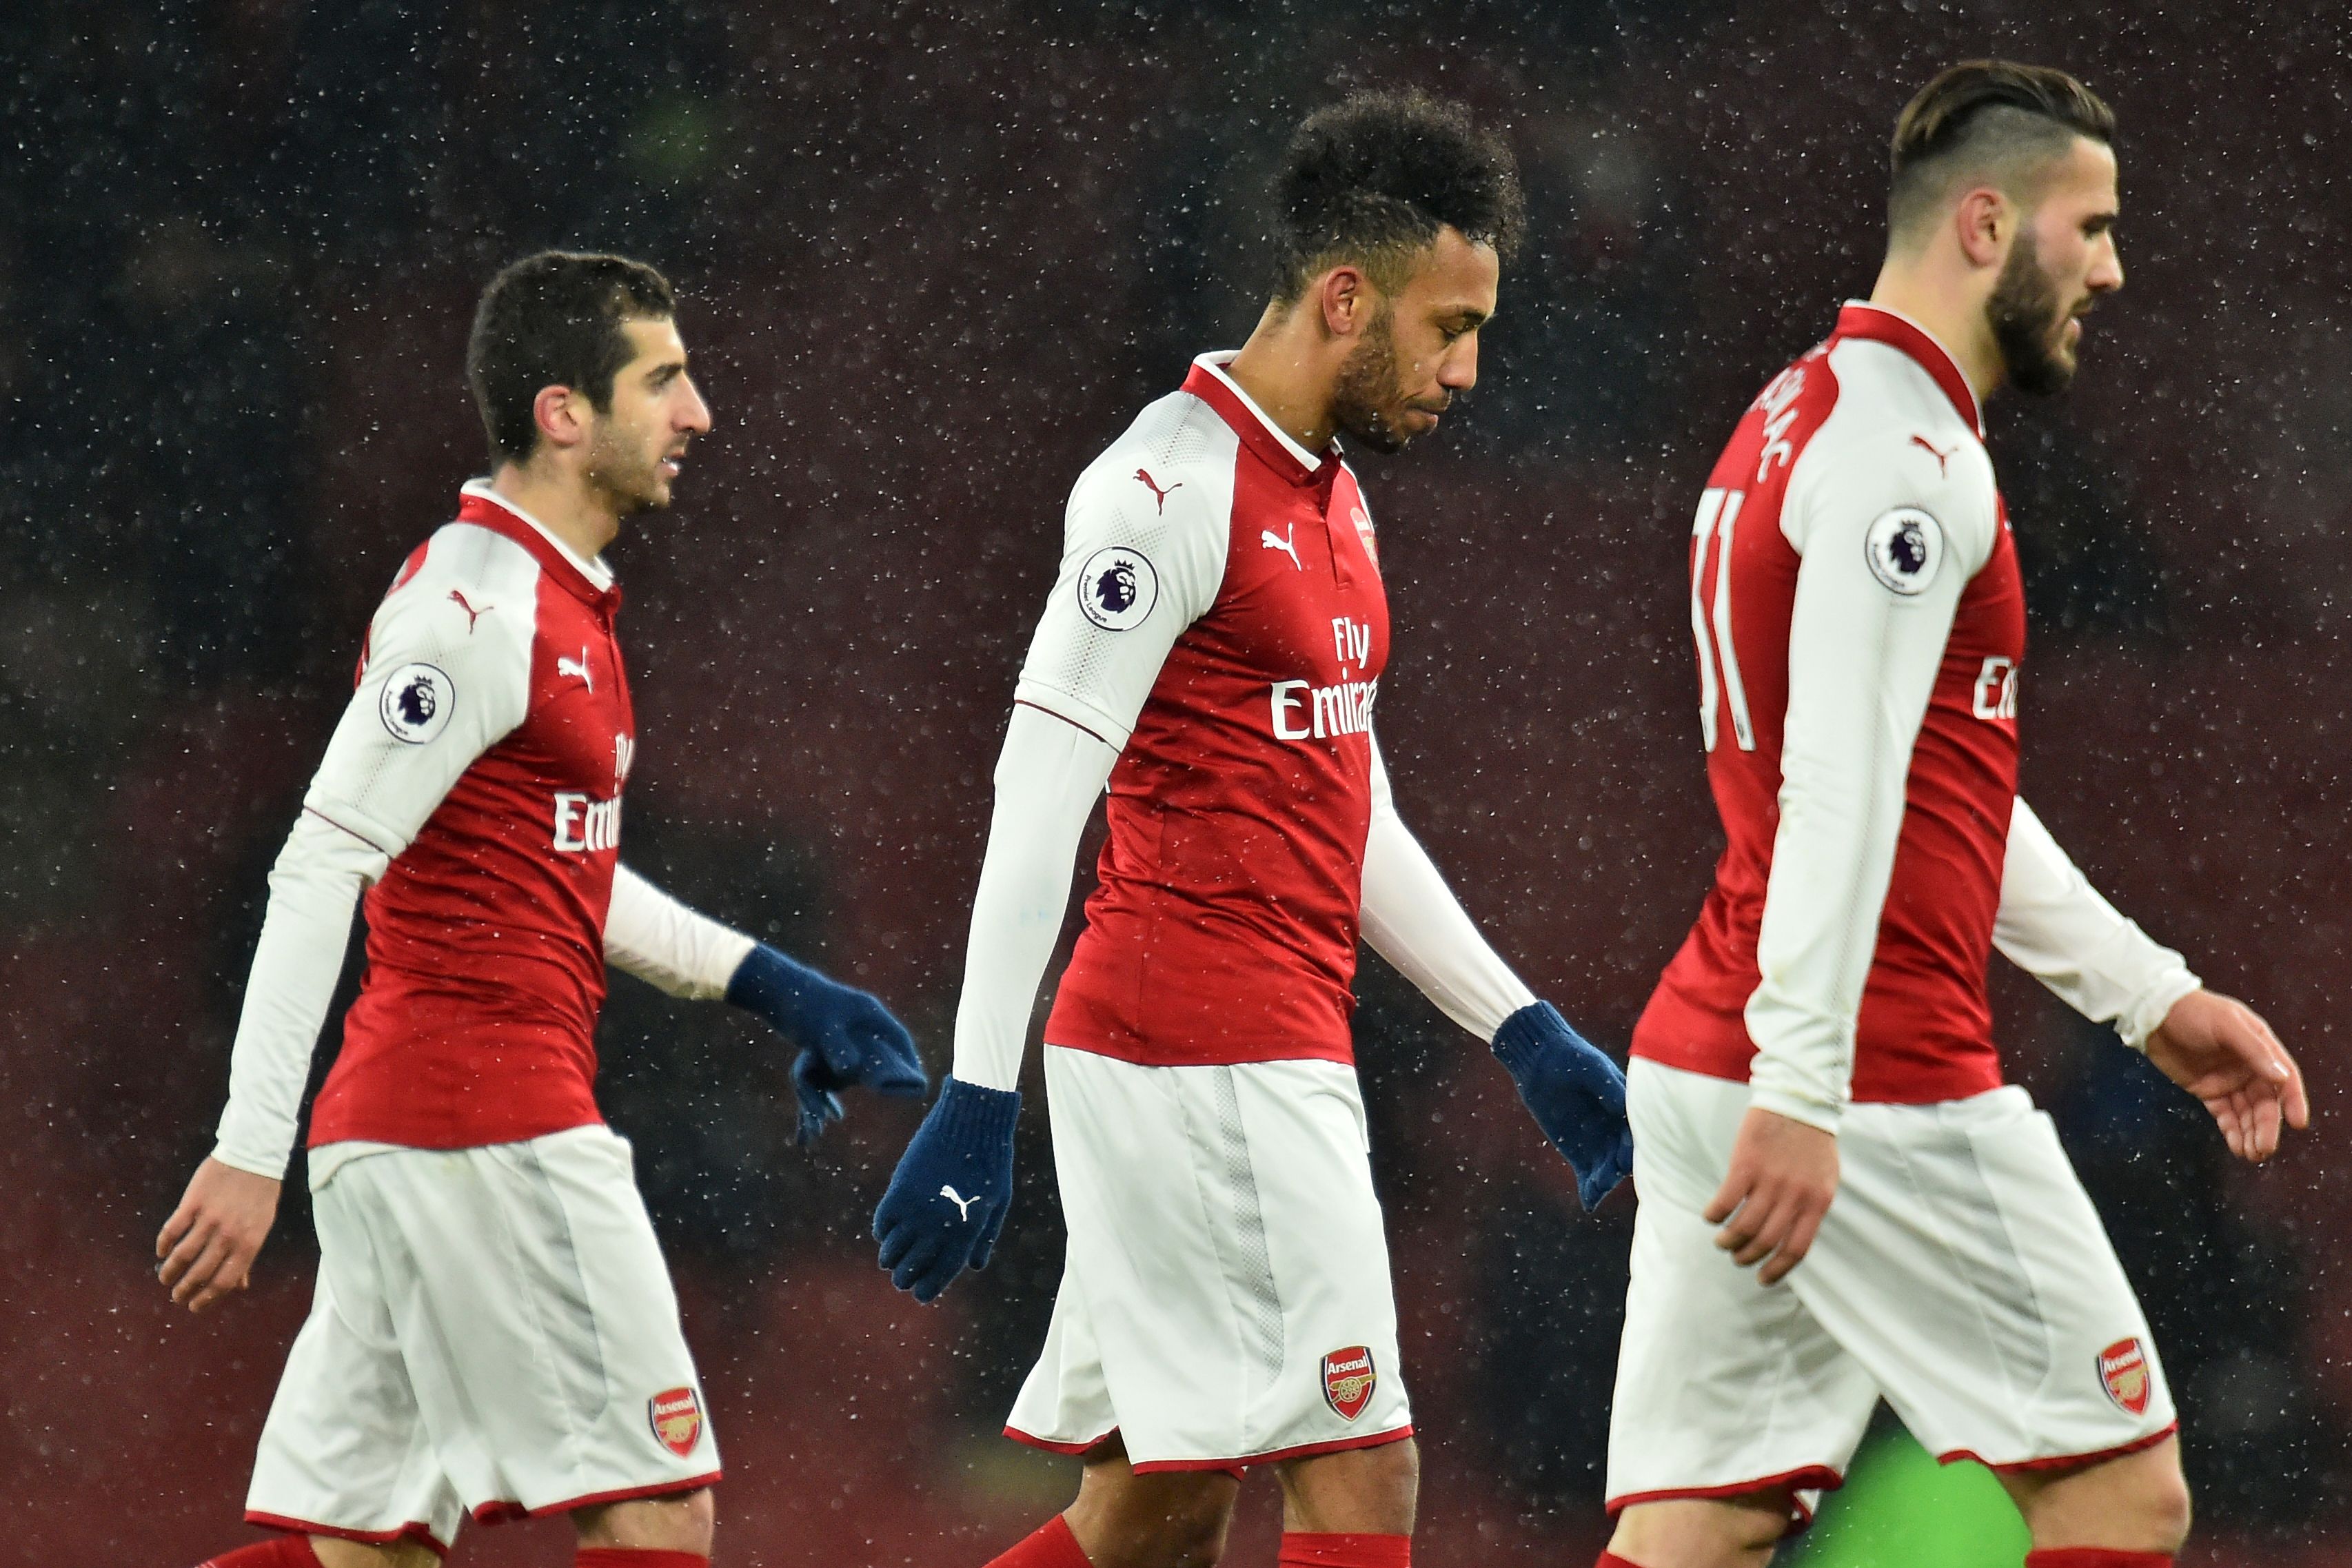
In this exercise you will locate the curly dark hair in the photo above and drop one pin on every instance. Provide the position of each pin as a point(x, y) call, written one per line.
point(555, 320)
point(1372, 179)
point(1987, 117)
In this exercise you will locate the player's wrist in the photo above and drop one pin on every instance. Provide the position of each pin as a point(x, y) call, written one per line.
point(1528, 1034)
point(974, 1117)
point(1812, 1114)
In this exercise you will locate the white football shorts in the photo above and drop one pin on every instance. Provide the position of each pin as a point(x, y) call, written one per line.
point(1961, 1274)
point(494, 1333)
point(1226, 1297)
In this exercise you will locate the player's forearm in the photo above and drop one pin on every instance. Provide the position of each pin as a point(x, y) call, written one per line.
point(1412, 920)
point(1047, 781)
point(653, 936)
point(2055, 926)
point(312, 891)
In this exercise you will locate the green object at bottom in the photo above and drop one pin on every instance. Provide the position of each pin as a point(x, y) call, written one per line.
point(1900, 1509)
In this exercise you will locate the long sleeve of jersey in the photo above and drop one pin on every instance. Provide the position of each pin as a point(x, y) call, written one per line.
point(1862, 660)
point(1138, 568)
point(652, 935)
point(438, 688)
point(2055, 926)
point(1412, 920)
point(1048, 779)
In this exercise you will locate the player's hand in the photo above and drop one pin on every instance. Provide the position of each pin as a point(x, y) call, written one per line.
point(1576, 1094)
point(1783, 1175)
point(208, 1245)
point(946, 1200)
point(847, 1036)
point(2220, 1050)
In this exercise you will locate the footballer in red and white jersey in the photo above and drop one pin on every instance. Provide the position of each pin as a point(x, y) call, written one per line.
point(1211, 653)
point(494, 1332)
point(1815, 1085)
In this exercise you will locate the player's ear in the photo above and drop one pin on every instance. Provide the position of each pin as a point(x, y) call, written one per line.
point(1985, 222)
point(559, 415)
point(1345, 296)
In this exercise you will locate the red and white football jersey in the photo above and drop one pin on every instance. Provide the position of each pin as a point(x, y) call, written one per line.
point(484, 754)
point(1219, 620)
point(1860, 626)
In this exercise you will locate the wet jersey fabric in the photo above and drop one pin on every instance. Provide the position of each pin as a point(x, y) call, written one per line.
point(484, 754)
point(1220, 621)
point(1860, 626)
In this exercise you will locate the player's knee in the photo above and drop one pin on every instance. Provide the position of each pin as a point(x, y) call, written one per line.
point(1703, 1532)
point(683, 1522)
point(2168, 1509)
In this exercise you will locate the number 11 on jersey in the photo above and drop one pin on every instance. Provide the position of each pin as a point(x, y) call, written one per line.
point(1718, 514)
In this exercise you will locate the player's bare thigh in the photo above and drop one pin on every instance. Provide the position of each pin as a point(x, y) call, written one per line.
point(2133, 1502)
point(1704, 1533)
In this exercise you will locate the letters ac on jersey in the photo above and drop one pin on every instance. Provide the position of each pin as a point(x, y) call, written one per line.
point(1223, 925)
point(475, 1022)
point(1925, 1028)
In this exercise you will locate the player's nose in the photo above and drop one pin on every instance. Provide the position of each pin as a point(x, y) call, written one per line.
point(2106, 270)
point(696, 414)
point(1458, 370)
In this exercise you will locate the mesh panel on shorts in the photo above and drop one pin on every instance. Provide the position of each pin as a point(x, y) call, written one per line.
point(1256, 1294)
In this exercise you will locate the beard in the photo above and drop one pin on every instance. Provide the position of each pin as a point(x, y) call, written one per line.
point(2029, 322)
point(1367, 388)
point(629, 480)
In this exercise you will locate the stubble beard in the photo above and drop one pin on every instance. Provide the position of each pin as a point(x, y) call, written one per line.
point(1367, 387)
point(2029, 322)
point(628, 481)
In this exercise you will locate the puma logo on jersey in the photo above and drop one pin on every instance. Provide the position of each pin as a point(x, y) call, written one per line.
point(577, 668)
point(1942, 457)
point(1158, 494)
point(1267, 541)
point(472, 615)
point(963, 1204)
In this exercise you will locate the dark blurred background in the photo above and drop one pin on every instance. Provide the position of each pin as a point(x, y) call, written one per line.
point(935, 256)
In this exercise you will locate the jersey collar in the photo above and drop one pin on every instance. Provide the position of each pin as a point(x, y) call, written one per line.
point(1861, 319)
point(1209, 383)
point(486, 507)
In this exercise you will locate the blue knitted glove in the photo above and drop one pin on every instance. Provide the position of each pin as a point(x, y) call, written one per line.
point(946, 1201)
point(1576, 1093)
point(846, 1036)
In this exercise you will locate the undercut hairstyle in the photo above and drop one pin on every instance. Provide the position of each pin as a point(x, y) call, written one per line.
point(1987, 121)
point(555, 320)
point(1371, 180)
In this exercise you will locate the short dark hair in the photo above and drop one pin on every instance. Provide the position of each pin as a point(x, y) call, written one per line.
point(1372, 179)
point(1983, 117)
point(555, 320)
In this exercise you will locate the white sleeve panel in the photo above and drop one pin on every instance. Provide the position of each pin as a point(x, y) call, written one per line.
point(652, 935)
point(1140, 564)
point(1048, 779)
point(448, 676)
point(2055, 926)
point(444, 682)
point(1412, 920)
point(1862, 660)
point(312, 891)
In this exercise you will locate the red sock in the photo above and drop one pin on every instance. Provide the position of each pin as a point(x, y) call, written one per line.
point(2096, 1557)
point(1302, 1550)
point(637, 1557)
point(1611, 1559)
point(282, 1552)
point(1053, 1546)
